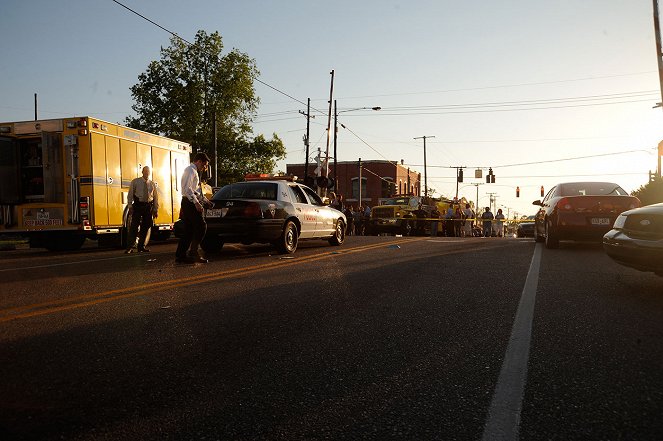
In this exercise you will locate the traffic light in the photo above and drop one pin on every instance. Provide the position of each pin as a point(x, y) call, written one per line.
point(460, 175)
point(517, 192)
point(542, 192)
point(490, 177)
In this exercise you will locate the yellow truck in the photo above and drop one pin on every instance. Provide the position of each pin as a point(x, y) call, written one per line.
point(64, 180)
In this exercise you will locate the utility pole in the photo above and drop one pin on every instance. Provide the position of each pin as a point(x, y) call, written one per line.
point(493, 201)
point(425, 171)
point(329, 116)
point(458, 175)
point(306, 137)
point(476, 207)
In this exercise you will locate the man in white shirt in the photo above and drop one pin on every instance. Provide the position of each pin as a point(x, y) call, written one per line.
point(191, 211)
point(143, 203)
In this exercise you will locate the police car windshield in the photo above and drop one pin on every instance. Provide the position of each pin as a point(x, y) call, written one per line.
point(248, 190)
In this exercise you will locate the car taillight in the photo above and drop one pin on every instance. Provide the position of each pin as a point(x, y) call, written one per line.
point(252, 209)
point(564, 204)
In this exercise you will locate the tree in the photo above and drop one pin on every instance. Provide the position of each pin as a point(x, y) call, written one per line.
point(650, 193)
point(180, 95)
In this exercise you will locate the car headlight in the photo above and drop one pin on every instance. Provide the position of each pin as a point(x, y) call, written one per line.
point(620, 221)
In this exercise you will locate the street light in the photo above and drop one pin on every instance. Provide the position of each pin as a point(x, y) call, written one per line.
point(336, 112)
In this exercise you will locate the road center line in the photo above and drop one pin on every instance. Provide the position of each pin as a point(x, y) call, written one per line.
point(52, 306)
point(503, 421)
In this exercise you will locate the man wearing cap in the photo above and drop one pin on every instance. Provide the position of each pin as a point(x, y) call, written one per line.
point(191, 211)
point(143, 203)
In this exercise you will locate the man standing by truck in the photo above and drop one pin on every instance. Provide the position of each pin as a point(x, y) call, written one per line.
point(191, 212)
point(143, 203)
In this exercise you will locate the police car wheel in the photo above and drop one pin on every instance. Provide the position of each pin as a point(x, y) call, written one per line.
point(339, 234)
point(287, 243)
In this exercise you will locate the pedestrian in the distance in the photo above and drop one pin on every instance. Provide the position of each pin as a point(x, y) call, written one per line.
point(458, 221)
point(435, 216)
point(449, 221)
point(191, 212)
point(499, 223)
point(349, 216)
point(487, 218)
point(468, 221)
point(336, 202)
point(143, 203)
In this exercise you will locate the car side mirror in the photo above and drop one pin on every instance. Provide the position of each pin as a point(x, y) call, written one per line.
point(537, 202)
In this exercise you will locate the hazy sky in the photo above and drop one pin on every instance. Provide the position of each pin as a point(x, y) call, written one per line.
point(498, 83)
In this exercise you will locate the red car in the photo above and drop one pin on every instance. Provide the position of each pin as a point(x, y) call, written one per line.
point(580, 211)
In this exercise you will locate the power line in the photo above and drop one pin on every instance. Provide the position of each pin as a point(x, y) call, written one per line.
point(450, 112)
point(503, 86)
point(574, 99)
point(453, 178)
point(547, 161)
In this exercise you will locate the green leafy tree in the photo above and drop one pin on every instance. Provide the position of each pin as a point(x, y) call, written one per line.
point(650, 193)
point(181, 95)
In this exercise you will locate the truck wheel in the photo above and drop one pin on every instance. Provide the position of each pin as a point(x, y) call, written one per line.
point(406, 229)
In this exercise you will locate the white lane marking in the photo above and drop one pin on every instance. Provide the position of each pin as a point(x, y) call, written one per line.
point(503, 421)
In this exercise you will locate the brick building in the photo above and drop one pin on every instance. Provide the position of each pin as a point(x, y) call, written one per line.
point(380, 179)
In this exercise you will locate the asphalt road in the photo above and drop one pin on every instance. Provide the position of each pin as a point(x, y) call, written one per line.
point(381, 338)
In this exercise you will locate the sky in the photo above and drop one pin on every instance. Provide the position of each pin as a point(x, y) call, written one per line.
point(541, 91)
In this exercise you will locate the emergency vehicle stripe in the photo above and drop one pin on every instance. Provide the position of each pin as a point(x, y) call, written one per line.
point(96, 180)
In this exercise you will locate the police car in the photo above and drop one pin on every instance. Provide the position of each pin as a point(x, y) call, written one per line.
point(267, 209)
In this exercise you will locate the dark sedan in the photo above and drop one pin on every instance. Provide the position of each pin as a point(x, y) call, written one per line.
point(275, 211)
point(580, 211)
point(636, 239)
point(525, 229)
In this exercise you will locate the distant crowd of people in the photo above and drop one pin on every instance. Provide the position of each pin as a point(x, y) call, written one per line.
point(456, 222)
point(358, 217)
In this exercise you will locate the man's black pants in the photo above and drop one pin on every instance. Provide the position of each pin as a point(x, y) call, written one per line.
point(194, 227)
point(141, 216)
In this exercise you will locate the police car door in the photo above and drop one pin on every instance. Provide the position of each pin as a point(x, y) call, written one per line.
point(326, 221)
point(304, 211)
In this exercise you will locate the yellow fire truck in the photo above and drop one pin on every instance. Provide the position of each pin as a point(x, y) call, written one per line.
point(65, 180)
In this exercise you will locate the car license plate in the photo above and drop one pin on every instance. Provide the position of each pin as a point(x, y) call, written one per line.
point(600, 221)
point(215, 212)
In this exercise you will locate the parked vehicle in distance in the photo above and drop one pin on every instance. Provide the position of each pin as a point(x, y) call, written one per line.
point(273, 210)
point(580, 211)
point(636, 239)
point(525, 229)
